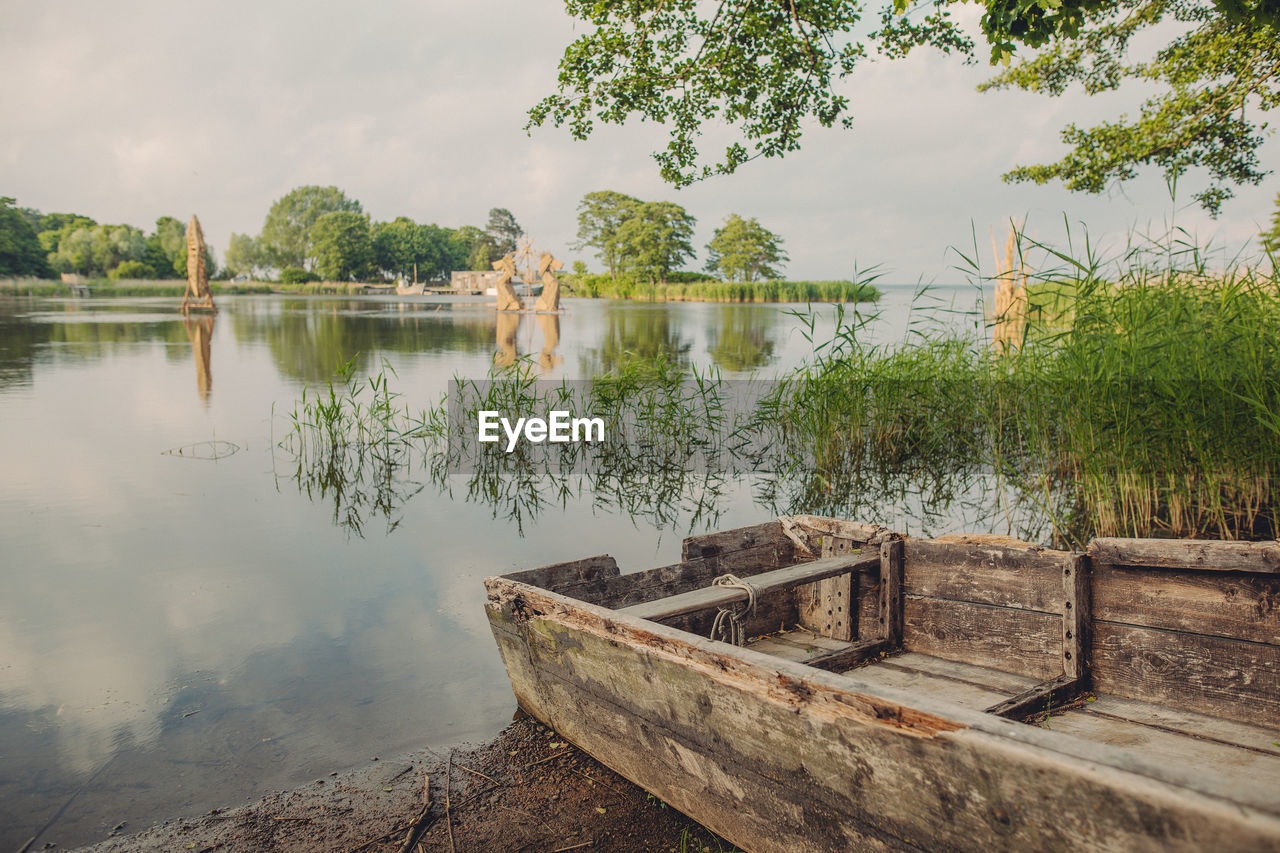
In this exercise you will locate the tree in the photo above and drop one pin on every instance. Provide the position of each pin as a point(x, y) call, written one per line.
point(166, 250)
point(287, 232)
point(655, 239)
point(97, 250)
point(766, 68)
point(469, 248)
point(1271, 237)
point(20, 250)
point(342, 245)
point(503, 230)
point(246, 256)
point(397, 246)
point(1215, 81)
point(744, 250)
point(439, 259)
point(600, 214)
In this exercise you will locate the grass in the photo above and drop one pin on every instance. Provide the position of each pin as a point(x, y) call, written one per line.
point(353, 445)
point(1143, 400)
point(711, 290)
point(105, 287)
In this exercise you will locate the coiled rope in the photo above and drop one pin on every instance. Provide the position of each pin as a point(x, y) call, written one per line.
point(730, 625)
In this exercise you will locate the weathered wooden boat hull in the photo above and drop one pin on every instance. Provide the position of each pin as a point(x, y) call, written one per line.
point(775, 754)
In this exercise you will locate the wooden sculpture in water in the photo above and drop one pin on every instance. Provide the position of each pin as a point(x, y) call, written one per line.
point(1010, 319)
point(507, 299)
point(198, 294)
point(550, 298)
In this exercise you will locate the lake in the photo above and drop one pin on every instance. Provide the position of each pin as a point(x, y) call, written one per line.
point(184, 627)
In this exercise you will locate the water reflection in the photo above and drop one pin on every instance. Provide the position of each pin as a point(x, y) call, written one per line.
point(200, 330)
point(508, 326)
point(550, 326)
point(637, 332)
point(742, 337)
point(309, 338)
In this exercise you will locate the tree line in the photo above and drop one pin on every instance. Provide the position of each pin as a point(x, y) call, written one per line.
point(318, 232)
point(652, 239)
point(44, 245)
point(311, 232)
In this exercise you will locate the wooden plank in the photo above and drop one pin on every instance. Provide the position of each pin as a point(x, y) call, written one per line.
point(963, 693)
point(1240, 606)
point(812, 643)
point(1242, 775)
point(777, 757)
point(1077, 619)
point(829, 607)
point(1201, 726)
point(626, 590)
point(998, 680)
point(1211, 675)
point(558, 577)
point(1040, 698)
point(846, 659)
point(820, 652)
point(820, 526)
point(707, 545)
point(868, 607)
point(1027, 578)
point(780, 648)
point(765, 583)
point(1201, 554)
point(1019, 641)
point(891, 569)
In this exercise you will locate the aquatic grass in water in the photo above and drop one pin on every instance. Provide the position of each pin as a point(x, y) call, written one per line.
point(627, 286)
point(1144, 402)
point(353, 445)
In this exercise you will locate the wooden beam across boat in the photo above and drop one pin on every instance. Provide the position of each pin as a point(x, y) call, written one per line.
point(765, 583)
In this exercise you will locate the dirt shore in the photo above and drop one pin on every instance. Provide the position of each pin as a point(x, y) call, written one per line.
point(528, 790)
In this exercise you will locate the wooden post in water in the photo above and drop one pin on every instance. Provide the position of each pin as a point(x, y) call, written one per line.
point(1011, 295)
point(198, 294)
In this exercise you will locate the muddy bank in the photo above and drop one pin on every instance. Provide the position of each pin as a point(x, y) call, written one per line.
point(528, 790)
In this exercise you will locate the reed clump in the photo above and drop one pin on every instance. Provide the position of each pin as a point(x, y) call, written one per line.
point(694, 289)
point(1145, 403)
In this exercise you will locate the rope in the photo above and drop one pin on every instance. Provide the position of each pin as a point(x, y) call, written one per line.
point(730, 626)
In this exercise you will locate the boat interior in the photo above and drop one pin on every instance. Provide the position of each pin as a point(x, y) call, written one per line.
point(1167, 653)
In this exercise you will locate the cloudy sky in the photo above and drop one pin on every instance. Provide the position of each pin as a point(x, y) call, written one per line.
point(131, 110)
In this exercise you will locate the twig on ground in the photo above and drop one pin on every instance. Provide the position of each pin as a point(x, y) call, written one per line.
point(448, 821)
point(478, 773)
point(415, 831)
point(590, 779)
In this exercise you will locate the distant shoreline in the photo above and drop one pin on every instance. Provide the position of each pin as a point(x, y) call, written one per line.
point(698, 291)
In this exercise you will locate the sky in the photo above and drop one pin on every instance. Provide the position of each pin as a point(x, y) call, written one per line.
point(132, 110)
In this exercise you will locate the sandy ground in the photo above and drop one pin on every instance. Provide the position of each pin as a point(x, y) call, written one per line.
point(528, 790)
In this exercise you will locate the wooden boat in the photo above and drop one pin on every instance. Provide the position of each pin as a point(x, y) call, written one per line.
point(403, 288)
point(892, 692)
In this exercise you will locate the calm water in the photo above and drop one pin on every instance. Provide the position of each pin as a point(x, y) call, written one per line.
point(179, 632)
